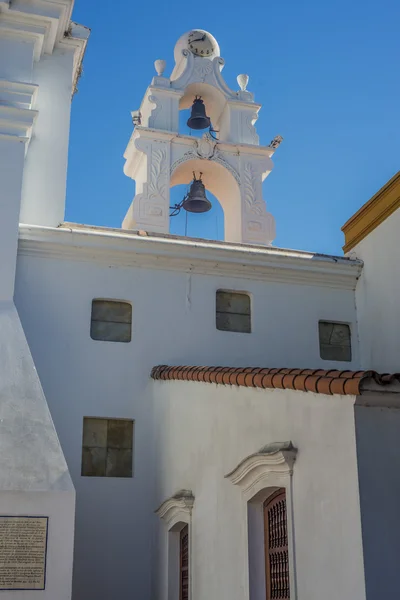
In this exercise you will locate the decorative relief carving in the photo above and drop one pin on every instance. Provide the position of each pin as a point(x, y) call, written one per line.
point(151, 205)
point(206, 149)
point(251, 183)
point(202, 68)
point(157, 185)
point(254, 226)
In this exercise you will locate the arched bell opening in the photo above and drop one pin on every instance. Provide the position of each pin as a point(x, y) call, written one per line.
point(219, 183)
point(214, 103)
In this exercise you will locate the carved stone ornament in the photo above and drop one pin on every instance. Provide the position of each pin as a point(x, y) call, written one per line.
point(277, 458)
point(157, 185)
point(251, 186)
point(202, 68)
point(178, 507)
point(159, 66)
point(249, 120)
point(207, 149)
point(155, 113)
point(151, 205)
point(242, 80)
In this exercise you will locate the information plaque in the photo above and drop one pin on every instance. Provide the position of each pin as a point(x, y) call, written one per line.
point(23, 547)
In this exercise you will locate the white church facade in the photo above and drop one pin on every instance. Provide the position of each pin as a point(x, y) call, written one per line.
point(183, 418)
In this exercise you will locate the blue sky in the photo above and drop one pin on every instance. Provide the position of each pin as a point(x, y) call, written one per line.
point(326, 73)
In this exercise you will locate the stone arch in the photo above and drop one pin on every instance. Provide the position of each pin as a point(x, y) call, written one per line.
point(221, 182)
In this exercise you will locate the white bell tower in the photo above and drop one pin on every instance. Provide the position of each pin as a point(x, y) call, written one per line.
point(233, 166)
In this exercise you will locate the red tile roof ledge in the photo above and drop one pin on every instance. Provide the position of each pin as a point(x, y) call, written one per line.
point(320, 381)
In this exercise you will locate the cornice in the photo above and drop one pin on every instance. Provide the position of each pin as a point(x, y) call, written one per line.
point(17, 122)
point(17, 94)
point(76, 38)
point(41, 29)
point(385, 202)
point(172, 253)
point(160, 135)
point(46, 23)
point(277, 458)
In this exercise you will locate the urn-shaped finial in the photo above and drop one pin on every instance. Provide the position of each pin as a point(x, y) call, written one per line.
point(242, 80)
point(160, 66)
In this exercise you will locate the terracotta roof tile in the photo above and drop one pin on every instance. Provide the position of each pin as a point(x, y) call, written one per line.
point(318, 381)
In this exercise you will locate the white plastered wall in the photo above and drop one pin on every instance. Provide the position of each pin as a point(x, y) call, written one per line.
point(377, 297)
point(34, 477)
point(45, 173)
point(203, 431)
point(173, 322)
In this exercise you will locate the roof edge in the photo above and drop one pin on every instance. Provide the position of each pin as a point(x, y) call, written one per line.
point(385, 202)
point(320, 381)
point(172, 253)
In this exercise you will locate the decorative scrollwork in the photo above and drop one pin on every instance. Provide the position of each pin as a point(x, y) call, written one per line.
point(213, 155)
point(202, 68)
point(250, 119)
point(155, 113)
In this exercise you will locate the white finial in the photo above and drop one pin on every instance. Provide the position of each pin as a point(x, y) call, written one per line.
point(242, 80)
point(160, 66)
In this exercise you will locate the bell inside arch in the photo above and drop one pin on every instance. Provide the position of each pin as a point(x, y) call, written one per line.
point(198, 118)
point(196, 201)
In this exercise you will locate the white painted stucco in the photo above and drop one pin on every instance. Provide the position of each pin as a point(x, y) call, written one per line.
point(377, 297)
point(186, 435)
point(203, 431)
point(34, 477)
point(173, 300)
point(43, 197)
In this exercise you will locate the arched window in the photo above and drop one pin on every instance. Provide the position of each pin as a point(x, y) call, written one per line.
point(266, 481)
point(276, 547)
point(176, 512)
point(184, 564)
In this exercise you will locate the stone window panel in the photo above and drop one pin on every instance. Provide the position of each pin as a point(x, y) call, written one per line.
point(111, 321)
point(334, 341)
point(233, 311)
point(107, 448)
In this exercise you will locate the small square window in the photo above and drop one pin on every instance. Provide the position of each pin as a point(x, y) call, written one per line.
point(111, 321)
point(107, 447)
point(334, 341)
point(233, 311)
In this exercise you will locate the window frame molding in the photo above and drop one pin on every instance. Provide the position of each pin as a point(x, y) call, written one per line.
point(258, 476)
point(176, 512)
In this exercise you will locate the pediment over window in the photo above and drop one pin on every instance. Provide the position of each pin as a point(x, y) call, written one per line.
point(177, 508)
point(275, 459)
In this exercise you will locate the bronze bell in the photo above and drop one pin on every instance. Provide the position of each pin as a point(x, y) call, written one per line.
point(196, 201)
point(198, 119)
